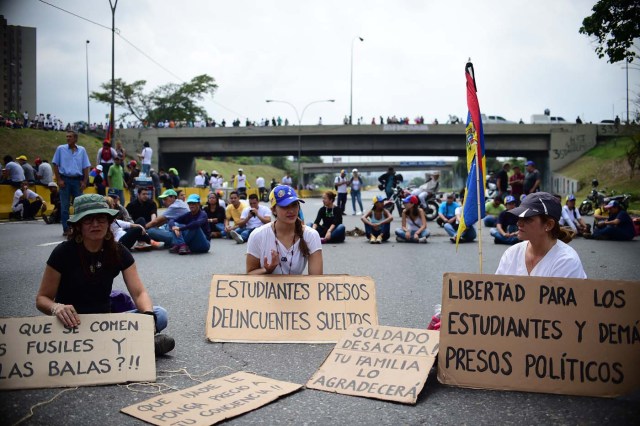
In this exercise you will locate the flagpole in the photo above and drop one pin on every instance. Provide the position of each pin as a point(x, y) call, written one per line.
point(478, 172)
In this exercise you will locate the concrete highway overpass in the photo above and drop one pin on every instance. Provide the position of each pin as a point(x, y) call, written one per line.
point(550, 146)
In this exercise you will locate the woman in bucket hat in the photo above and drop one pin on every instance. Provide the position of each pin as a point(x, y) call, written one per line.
point(285, 246)
point(79, 274)
point(541, 252)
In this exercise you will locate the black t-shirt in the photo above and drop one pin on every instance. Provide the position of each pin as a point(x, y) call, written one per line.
point(87, 291)
point(137, 209)
point(327, 217)
point(504, 180)
point(507, 219)
point(219, 214)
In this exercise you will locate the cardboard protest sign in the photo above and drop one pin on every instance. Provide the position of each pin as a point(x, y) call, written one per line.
point(288, 308)
point(211, 402)
point(387, 363)
point(38, 352)
point(538, 334)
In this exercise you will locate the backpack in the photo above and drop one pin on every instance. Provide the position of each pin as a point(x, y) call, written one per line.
point(106, 155)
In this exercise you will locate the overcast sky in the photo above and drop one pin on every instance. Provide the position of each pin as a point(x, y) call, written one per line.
point(528, 56)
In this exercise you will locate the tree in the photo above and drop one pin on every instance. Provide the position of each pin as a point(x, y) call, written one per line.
point(168, 102)
point(616, 26)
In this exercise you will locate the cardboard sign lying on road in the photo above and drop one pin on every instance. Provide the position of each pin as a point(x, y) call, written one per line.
point(387, 363)
point(288, 308)
point(211, 402)
point(38, 352)
point(537, 334)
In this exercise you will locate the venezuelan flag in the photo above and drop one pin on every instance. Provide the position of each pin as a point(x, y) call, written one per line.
point(476, 162)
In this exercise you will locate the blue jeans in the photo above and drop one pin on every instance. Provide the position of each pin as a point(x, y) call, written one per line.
point(384, 230)
point(356, 194)
point(490, 221)
point(338, 234)
point(219, 227)
point(161, 317)
point(71, 189)
point(498, 238)
point(467, 236)
point(146, 168)
point(400, 233)
point(194, 238)
point(611, 232)
point(244, 232)
point(162, 235)
point(120, 193)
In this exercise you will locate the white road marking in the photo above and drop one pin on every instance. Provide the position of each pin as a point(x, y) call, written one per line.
point(48, 244)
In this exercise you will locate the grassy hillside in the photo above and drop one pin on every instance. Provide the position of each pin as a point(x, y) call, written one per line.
point(38, 143)
point(607, 163)
point(252, 172)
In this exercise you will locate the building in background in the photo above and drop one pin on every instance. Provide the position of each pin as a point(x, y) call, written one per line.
point(18, 65)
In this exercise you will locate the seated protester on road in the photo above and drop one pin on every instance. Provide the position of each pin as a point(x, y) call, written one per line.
point(123, 214)
point(414, 222)
point(572, 219)
point(493, 208)
point(143, 209)
point(541, 252)
point(469, 234)
point(285, 246)
point(506, 230)
point(215, 216)
point(447, 211)
point(54, 199)
point(191, 232)
point(618, 225)
point(251, 218)
point(328, 222)
point(80, 271)
point(158, 229)
point(127, 233)
point(221, 200)
point(26, 203)
point(377, 222)
point(233, 213)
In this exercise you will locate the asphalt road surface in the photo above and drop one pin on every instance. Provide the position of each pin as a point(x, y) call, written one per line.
point(408, 280)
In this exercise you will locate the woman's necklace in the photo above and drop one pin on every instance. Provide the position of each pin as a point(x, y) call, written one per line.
point(288, 255)
point(94, 260)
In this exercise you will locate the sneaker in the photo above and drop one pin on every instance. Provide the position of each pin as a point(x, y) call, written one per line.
point(422, 240)
point(156, 244)
point(163, 344)
point(237, 237)
point(400, 239)
point(359, 213)
point(373, 240)
point(184, 249)
point(141, 245)
point(453, 239)
point(353, 214)
point(379, 239)
point(46, 219)
point(174, 249)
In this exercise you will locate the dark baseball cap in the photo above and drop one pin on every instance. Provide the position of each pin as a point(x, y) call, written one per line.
point(539, 203)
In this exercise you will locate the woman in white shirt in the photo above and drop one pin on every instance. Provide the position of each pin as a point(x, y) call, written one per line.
point(541, 252)
point(285, 246)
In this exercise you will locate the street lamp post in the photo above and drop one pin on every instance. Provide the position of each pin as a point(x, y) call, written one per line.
point(113, 4)
point(351, 92)
point(299, 117)
point(86, 48)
